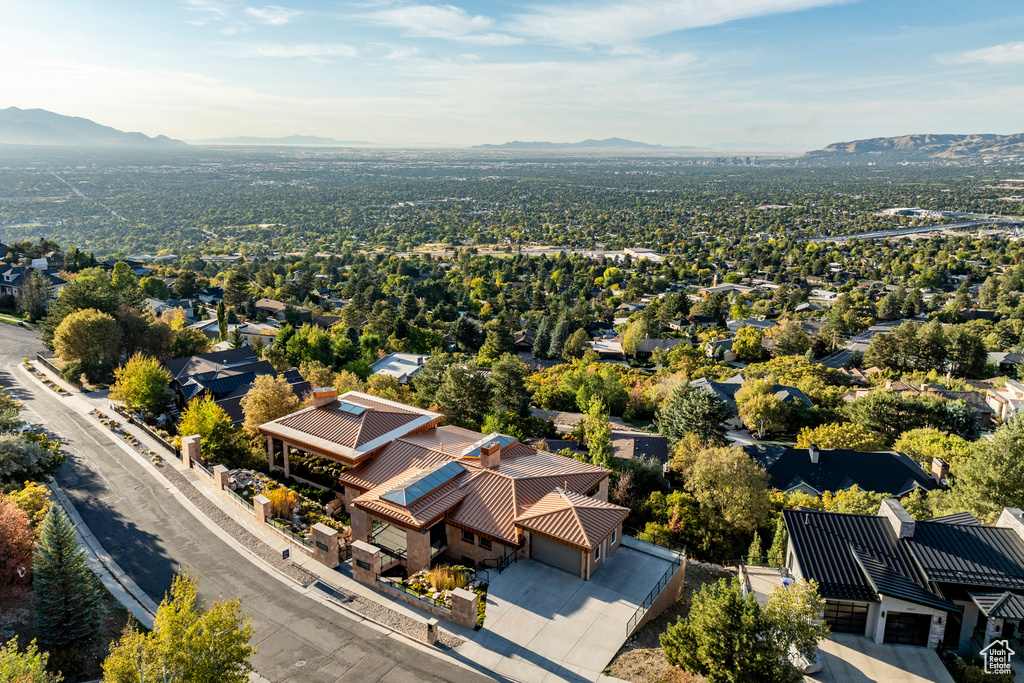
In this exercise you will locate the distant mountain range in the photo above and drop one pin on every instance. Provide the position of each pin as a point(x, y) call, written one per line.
point(290, 141)
point(608, 143)
point(926, 147)
point(41, 127)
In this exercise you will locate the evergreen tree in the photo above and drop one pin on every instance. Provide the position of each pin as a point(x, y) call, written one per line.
point(561, 334)
point(410, 306)
point(499, 340)
point(780, 541)
point(598, 434)
point(542, 342)
point(465, 335)
point(755, 554)
point(694, 411)
point(508, 385)
point(464, 395)
point(577, 345)
point(67, 594)
point(222, 320)
point(236, 289)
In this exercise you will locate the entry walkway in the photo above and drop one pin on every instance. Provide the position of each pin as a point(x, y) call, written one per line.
point(544, 624)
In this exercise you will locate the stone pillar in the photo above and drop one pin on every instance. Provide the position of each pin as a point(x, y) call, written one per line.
point(432, 631)
point(464, 607)
point(360, 524)
point(190, 450)
point(418, 550)
point(287, 466)
point(938, 630)
point(270, 451)
point(325, 544)
point(602, 490)
point(220, 477)
point(365, 562)
point(993, 630)
point(261, 508)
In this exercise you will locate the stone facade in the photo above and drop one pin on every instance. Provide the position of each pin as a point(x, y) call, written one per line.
point(417, 550)
point(458, 548)
point(325, 544)
point(464, 607)
point(261, 508)
point(190, 450)
point(365, 562)
point(220, 477)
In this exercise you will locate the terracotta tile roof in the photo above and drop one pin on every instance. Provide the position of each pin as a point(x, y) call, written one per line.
point(573, 518)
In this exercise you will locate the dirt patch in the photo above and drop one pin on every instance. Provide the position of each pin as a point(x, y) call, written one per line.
point(17, 618)
point(641, 659)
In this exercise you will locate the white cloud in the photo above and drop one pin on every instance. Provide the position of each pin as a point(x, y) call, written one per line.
point(1007, 53)
point(206, 10)
point(272, 14)
point(613, 23)
point(442, 21)
point(308, 50)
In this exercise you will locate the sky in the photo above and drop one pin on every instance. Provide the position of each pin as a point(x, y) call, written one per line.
point(793, 73)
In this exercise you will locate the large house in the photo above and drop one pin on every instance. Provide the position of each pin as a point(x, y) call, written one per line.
point(12, 280)
point(1007, 399)
point(423, 492)
point(814, 471)
point(401, 366)
point(949, 580)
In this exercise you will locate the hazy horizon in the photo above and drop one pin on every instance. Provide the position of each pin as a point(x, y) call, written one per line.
point(798, 74)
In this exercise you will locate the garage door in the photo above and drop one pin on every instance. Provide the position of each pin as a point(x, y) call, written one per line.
point(904, 628)
point(846, 617)
point(557, 555)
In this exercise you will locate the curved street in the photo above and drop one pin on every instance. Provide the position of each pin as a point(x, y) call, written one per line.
point(152, 536)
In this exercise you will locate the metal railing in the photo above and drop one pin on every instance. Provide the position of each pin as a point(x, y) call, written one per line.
point(208, 473)
point(499, 563)
point(238, 499)
point(439, 602)
point(677, 559)
point(290, 535)
point(655, 539)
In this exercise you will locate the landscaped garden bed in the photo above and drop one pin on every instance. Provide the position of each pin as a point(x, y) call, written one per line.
point(436, 585)
point(295, 508)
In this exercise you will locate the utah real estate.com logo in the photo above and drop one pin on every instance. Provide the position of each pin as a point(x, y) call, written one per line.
point(997, 657)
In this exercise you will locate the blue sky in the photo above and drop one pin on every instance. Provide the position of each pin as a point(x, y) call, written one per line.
point(800, 73)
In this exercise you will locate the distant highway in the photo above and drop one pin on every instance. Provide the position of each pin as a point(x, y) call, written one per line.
point(900, 232)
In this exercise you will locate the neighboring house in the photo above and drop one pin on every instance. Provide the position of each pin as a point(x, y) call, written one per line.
point(608, 349)
point(275, 309)
point(523, 340)
point(702, 321)
point(646, 347)
point(160, 307)
point(736, 325)
point(140, 269)
point(1006, 400)
point(1005, 361)
point(424, 493)
point(211, 295)
point(726, 391)
point(948, 581)
point(629, 444)
point(627, 308)
point(975, 400)
point(12, 279)
point(814, 471)
point(401, 366)
point(727, 289)
point(720, 346)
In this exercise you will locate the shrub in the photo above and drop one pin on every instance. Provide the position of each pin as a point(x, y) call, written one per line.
point(445, 578)
point(282, 502)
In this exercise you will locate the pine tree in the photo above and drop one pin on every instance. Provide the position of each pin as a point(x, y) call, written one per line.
point(222, 320)
point(542, 341)
point(67, 594)
point(755, 555)
point(777, 553)
point(558, 338)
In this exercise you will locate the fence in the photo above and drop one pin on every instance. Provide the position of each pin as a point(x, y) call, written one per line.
point(144, 427)
point(238, 499)
point(677, 560)
point(290, 535)
point(202, 470)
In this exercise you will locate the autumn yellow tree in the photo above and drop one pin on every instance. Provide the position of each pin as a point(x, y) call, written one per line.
point(271, 397)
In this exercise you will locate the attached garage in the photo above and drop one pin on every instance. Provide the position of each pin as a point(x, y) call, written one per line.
point(846, 617)
point(556, 554)
point(904, 628)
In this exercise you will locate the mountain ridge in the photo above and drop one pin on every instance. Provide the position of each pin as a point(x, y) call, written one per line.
point(924, 147)
point(42, 127)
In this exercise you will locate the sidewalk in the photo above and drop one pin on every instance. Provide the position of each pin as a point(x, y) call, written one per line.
point(237, 527)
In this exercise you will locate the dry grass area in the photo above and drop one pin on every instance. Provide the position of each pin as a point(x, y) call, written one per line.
point(17, 618)
point(641, 659)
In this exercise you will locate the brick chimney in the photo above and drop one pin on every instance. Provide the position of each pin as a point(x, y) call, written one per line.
point(940, 470)
point(490, 455)
point(324, 396)
point(813, 451)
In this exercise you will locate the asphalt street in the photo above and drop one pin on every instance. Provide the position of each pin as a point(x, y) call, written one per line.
point(152, 536)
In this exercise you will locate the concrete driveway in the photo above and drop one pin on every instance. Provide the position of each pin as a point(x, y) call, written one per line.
point(544, 624)
point(849, 658)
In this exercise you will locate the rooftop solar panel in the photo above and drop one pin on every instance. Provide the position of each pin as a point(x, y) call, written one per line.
point(417, 486)
point(350, 408)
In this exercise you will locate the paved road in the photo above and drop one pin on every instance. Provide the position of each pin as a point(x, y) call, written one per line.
point(151, 536)
point(902, 232)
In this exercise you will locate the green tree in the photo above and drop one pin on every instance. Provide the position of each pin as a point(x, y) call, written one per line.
point(992, 477)
point(507, 383)
point(123, 277)
point(598, 434)
point(794, 612)
point(269, 398)
point(542, 341)
point(220, 442)
point(576, 345)
point(67, 593)
point(465, 335)
point(142, 384)
point(463, 395)
point(730, 487)
point(189, 643)
point(498, 340)
point(693, 411)
point(236, 289)
point(791, 340)
point(727, 638)
point(185, 284)
point(780, 542)
point(841, 435)
point(90, 337)
point(222, 320)
point(23, 460)
point(560, 335)
point(927, 443)
point(765, 414)
point(34, 297)
point(755, 553)
point(154, 288)
point(747, 344)
point(25, 667)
